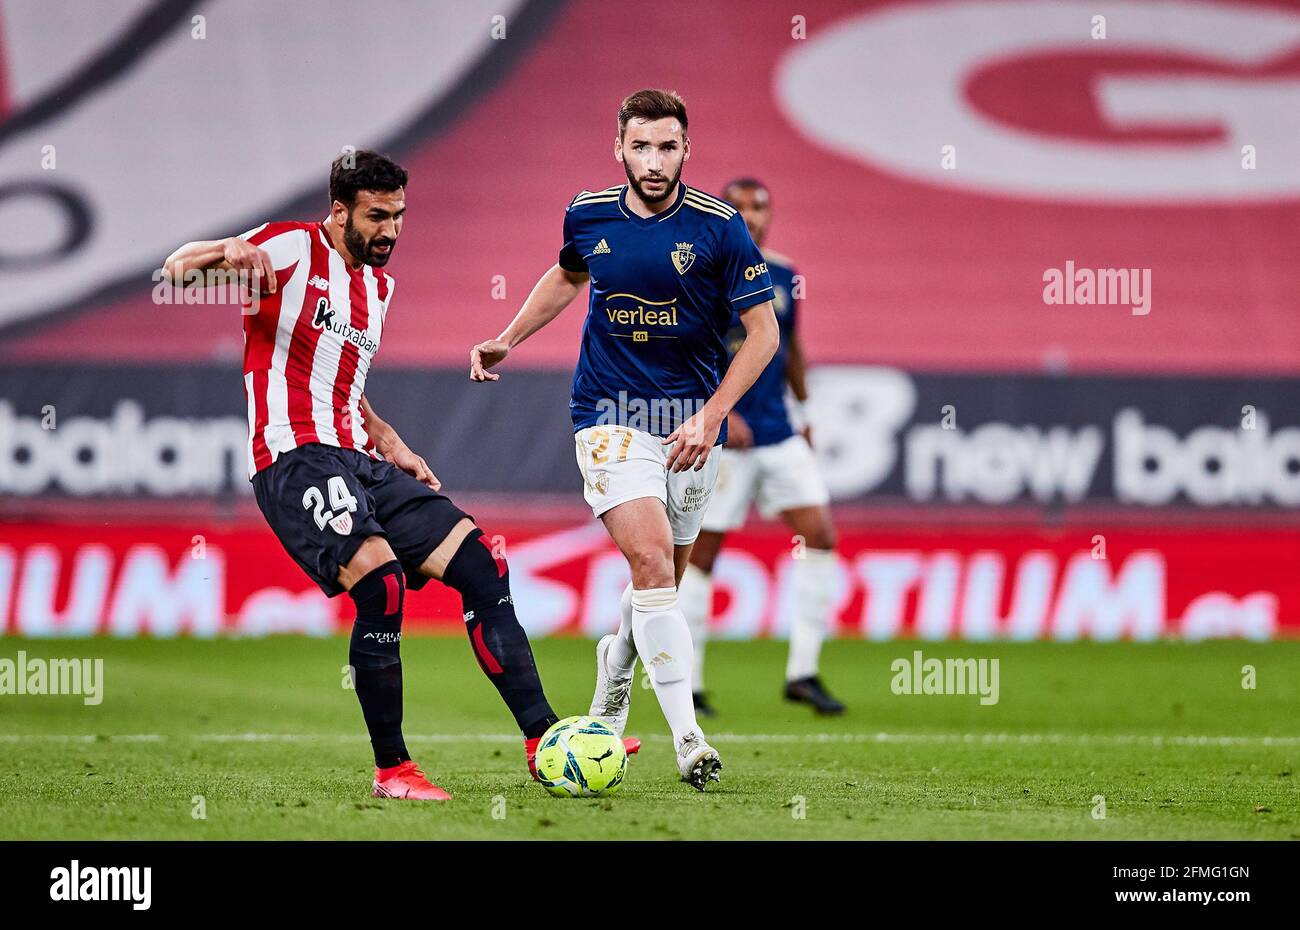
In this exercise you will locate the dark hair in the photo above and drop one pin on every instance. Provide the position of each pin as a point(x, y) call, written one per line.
point(746, 184)
point(363, 170)
point(651, 104)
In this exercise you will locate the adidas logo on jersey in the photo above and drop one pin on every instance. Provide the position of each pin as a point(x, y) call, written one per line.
point(318, 282)
point(602, 248)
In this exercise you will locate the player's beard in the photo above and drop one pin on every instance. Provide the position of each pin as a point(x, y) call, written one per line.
point(364, 249)
point(669, 189)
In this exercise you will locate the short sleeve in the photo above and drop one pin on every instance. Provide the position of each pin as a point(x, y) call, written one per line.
point(744, 271)
point(286, 243)
point(570, 256)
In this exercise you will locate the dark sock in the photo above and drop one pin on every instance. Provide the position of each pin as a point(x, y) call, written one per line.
point(499, 642)
point(376, 660)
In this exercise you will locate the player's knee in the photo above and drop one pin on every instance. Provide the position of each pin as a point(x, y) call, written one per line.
point(705, 551)
point(373, 554)
point(823, 537)
point(477, 571)
point(380, 592)
point(377, 630)
point(651, 566)
point(813, 526)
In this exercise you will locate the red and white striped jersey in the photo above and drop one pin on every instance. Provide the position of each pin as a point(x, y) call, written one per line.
point(308, 346)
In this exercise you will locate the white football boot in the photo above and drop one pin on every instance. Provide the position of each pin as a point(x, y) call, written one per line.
point(698, 762)
point(613, 696)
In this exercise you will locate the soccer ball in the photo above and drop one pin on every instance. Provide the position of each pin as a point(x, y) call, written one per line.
point(581, 757)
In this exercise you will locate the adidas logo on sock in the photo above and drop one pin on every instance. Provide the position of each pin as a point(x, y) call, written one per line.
point(662, 658)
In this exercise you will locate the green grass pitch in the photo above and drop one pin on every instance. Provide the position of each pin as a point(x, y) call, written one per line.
point(261, 738)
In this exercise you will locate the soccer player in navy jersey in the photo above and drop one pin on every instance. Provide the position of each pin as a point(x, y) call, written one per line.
point(767, 459)
point(668, 266)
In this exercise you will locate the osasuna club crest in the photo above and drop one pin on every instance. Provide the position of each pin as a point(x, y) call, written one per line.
point(683, 257)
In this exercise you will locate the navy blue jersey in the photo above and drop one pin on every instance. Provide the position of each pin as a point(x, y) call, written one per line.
point(763, 406)
point(664, 289)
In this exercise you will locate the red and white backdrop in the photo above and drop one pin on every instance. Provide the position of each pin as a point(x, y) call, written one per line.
point(974, 583)
point(930, 162)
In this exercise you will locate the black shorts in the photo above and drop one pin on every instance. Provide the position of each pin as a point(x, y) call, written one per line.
point(323, 502)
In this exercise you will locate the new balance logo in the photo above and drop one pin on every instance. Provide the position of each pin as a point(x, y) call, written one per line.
point(662, 658)
point(319, 283)
point(602, 248)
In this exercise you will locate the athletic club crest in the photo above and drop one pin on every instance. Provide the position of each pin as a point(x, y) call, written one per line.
point(683, 258)
point(342, 524)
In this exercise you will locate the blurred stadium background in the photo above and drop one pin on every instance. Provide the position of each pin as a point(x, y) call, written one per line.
point(1001, 467)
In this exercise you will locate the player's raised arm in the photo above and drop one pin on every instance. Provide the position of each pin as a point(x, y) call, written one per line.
point(694, 438)
point(553, 292)
point(230, 254)
point(749, 292)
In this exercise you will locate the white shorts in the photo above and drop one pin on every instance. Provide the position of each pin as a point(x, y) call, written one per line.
point(781, 477)
point(619, 464)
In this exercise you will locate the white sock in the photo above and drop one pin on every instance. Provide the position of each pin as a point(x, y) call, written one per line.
point(622, 651)
point(813, 577)
point(664, 641)
point(695, 594)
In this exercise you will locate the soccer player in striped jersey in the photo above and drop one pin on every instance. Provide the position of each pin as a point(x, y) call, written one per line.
point(768, 460)
point(351, 503)
point(668, 266)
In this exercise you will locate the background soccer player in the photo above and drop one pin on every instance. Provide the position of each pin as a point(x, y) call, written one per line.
point(767, 459)
point(668, 267)
point(356, 509)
